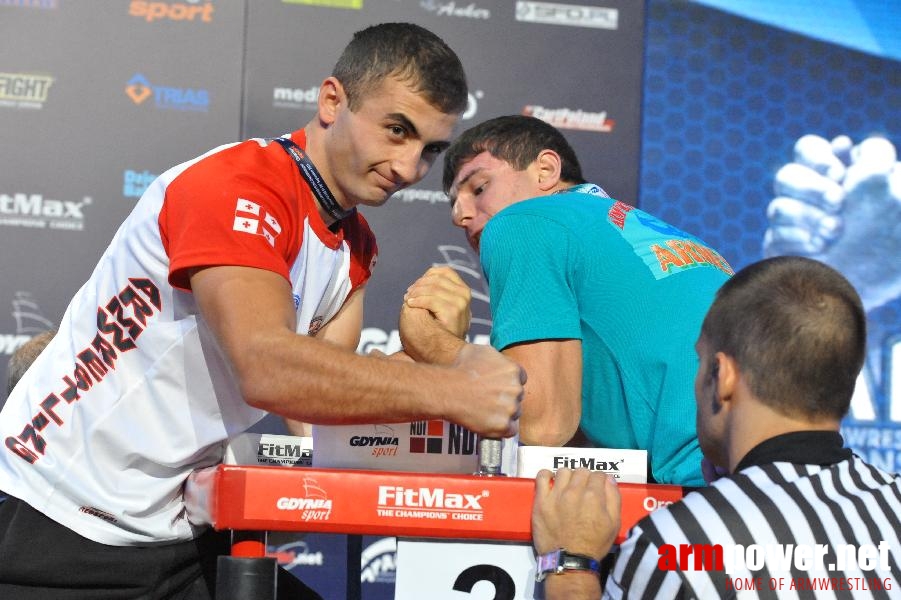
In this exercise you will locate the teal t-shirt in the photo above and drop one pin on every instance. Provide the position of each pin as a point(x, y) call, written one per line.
point(634, 290)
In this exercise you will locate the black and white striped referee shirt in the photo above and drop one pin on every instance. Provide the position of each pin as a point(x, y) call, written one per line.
point(800, 518)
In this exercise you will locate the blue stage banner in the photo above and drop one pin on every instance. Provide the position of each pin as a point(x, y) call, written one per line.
point(772, 128)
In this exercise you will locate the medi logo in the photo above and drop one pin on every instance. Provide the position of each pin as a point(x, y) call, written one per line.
point(192, 10)
point(139, 89)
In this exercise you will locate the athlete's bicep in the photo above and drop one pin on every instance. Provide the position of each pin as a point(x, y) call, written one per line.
point(248, 310)
point(345, 327)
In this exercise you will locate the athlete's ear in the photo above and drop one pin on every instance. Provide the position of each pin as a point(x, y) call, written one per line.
point(331, 99)
point(549, 166)
point(725, 374)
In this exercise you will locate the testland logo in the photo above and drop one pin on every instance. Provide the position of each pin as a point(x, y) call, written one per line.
point(33, 210)
point(429, 503)
point(575, 15)
point(24, 90)
point(139, 90)
point(173, 11)
point(383, 443)
point(566, 118)
point(314, 505)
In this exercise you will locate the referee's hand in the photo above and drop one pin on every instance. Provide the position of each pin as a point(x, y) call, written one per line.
point(578, 510)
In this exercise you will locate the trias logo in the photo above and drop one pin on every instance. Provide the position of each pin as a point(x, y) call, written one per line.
point(590, 463)
point(33, 210)
point(139, 89)
point(314, 505)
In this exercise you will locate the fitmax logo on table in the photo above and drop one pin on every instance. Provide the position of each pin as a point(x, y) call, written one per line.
point(139, 90)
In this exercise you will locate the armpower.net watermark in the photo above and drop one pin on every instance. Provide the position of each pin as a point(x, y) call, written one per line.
point(783, 562)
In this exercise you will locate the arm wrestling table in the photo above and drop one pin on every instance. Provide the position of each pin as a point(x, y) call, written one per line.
point(251, 500)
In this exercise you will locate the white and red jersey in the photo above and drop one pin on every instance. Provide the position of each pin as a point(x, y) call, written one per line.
point(134, 393)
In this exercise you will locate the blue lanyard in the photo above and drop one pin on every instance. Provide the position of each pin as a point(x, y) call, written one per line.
point(317, 184)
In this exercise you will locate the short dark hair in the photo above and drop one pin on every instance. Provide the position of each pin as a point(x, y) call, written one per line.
point(515, 139)
point(409, 52)
point(797, 329)
point(23, 356)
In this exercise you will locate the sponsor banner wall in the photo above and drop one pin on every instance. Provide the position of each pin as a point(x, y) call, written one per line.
point(594, 102)
point(98, 98)
point(734, 92)
point(90, 125)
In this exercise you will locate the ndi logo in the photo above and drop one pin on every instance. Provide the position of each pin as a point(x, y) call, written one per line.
point(140, 90)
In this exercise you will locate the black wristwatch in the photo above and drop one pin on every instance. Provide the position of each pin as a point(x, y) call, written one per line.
point(558, 561)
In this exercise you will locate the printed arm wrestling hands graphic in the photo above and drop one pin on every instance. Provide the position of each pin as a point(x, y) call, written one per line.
point(434, 319)
point(841, 204)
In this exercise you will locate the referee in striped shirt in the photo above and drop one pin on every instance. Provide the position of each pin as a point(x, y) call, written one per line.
point(798, 515)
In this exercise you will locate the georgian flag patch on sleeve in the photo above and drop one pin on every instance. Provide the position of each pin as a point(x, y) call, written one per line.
point(250, 218)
